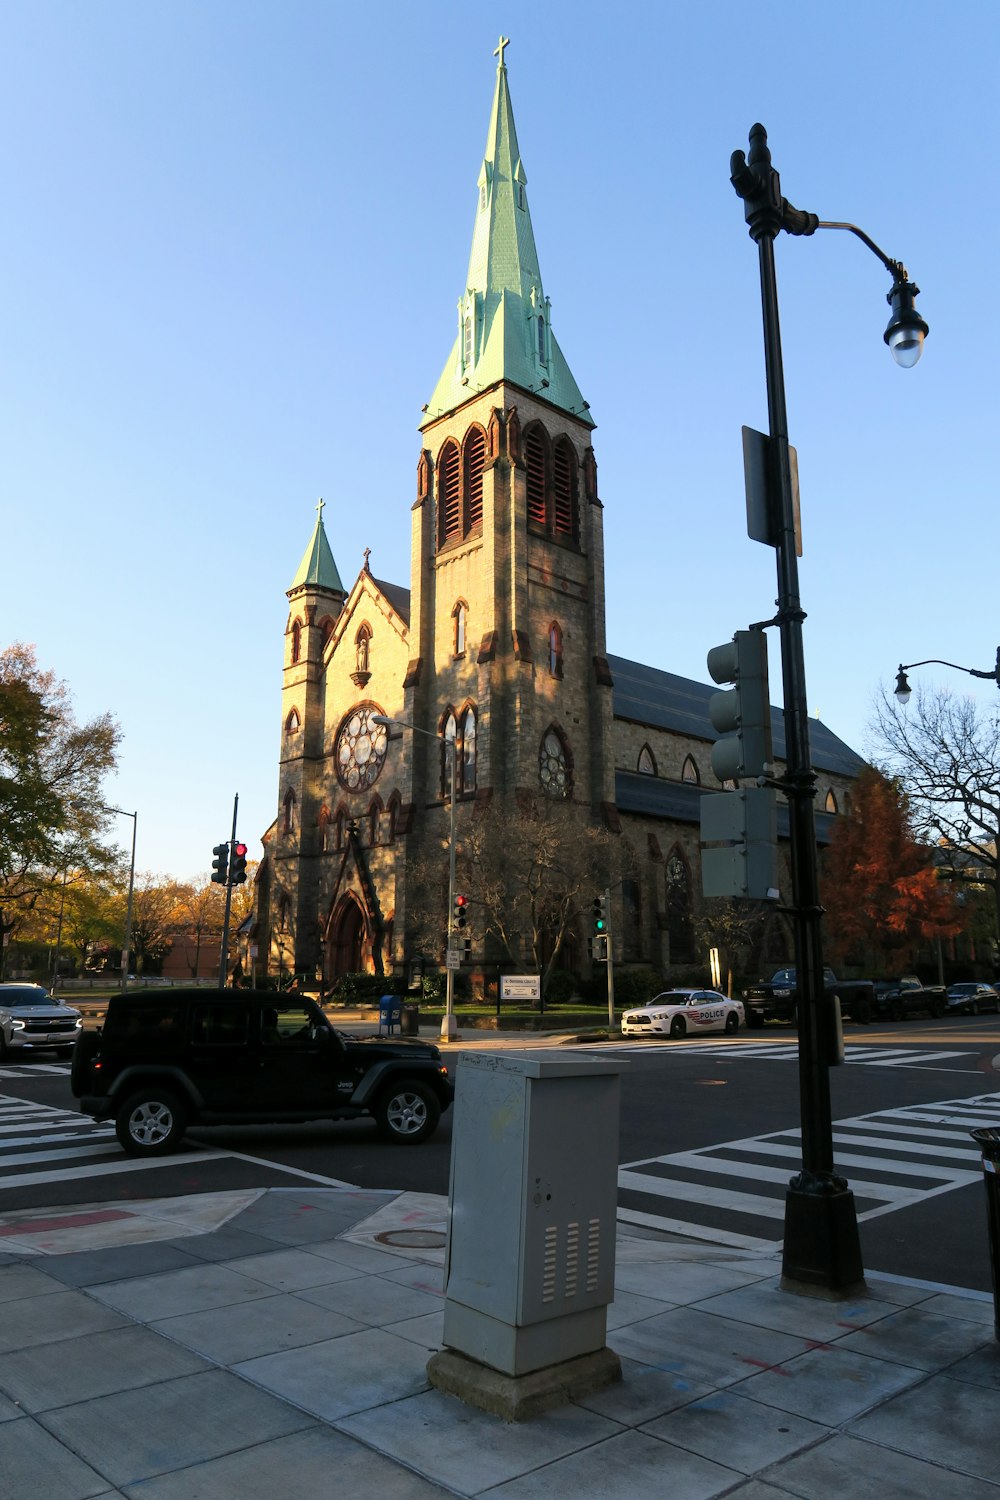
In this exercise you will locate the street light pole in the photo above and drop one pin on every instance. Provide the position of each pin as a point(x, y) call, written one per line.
point(902, 688)
point(127, 943)
point(821, 1244)
point(449, 1028)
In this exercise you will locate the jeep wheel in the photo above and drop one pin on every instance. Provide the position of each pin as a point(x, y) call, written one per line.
point(732, 1021)
point(84, 1051)
point(150, 1123)
point(407, 1113)
point(678, 1026)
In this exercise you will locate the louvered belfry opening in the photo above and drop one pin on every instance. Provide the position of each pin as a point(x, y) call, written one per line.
point(534, 463)
point(475, 462)
point(564, 489)
point(449, 494)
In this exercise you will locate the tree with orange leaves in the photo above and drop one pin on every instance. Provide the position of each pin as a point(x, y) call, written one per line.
point(879, 886)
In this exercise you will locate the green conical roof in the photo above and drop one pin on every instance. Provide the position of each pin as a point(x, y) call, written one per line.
point(317, 568)
point(503, 318)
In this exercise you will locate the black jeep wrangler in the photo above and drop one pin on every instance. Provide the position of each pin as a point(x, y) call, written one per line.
point(162, 1063)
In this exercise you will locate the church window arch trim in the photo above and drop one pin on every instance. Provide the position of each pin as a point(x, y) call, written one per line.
point(555, 650)
point(460, 615)
point(296, 643)
point(293, 723)
point(690, 772)
point(646, 762)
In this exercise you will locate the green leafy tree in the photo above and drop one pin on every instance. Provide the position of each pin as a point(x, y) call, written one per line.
point(51, 769)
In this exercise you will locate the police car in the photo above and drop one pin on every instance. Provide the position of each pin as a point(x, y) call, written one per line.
point(680, 1013)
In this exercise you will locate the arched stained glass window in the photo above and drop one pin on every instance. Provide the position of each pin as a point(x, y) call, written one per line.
point(469, 750)
point(555, 649)
point(554, 771)
point(296, 640)
point(460, 614)
point(831, 801)
point(690, 772)
point(292, 722)
point(646, 764)
point(449, 731)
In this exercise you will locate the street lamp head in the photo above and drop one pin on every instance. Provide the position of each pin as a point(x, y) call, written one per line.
point(902, 686)
point(906, 330)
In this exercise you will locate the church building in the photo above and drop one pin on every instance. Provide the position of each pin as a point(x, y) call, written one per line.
point(493, 661)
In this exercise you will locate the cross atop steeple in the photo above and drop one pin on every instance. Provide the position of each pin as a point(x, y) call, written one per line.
point(498, 51)
point(320, 503)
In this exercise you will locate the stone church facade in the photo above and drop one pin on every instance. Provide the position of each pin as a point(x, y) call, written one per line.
point(498, 645)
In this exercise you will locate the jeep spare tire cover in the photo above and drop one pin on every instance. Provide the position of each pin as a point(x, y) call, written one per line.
point(85, 1049)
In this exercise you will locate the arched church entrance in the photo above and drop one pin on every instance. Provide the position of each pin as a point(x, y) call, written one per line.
point(345, 940)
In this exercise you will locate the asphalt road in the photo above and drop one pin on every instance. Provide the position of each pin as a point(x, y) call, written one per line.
point(708, 1142)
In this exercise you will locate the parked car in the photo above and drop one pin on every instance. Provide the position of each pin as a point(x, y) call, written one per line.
point(33, 1020)
point(677, 1012)
point(970, 997)
point(776, 999)
point(897, 998)
point(164, 1062)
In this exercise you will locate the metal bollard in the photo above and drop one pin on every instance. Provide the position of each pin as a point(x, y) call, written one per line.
point(988, 1141)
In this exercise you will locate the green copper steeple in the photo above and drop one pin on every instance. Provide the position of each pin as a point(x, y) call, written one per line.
point(504, 331)
point(317, 568)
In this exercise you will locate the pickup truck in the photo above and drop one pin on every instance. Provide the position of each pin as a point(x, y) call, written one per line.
point(897, 998)
point(776, 999)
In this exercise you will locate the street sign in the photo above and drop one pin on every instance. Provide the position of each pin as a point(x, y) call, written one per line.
point(453, 959)
point(520, 987)
point(763, 507)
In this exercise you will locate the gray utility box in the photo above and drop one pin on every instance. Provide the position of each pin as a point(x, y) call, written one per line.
point(533, 1208)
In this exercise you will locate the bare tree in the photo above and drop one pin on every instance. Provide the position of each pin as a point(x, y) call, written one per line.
point(529, 876)
point(946, 751)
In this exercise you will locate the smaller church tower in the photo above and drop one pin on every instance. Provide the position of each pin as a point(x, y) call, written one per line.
point(316, 598)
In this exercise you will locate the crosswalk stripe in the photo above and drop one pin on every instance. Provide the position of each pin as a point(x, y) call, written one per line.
point(104, 1169)
point(694, 1231)
point(894, 1158)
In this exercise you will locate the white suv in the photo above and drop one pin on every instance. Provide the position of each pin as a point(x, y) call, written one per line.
point(32, 1020)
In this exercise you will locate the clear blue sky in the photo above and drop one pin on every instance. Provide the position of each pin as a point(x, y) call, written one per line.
point(234, 237)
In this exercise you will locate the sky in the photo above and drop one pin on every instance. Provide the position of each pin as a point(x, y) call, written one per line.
point(235, 234)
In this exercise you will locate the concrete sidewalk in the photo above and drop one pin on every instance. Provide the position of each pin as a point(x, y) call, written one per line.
point(246, 1345)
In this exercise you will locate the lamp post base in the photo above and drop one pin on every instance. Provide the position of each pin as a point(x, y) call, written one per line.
point(449, 1027)
point(822, 1251)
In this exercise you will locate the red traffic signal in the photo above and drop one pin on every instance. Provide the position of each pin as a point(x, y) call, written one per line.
point(239, 864)
point(461, 910)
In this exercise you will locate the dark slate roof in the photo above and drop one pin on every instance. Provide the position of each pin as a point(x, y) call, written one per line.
point(677, 802)
point(645, 695)
point(397, 596)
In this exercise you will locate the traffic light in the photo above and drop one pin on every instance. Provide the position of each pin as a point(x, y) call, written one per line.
point(600, 915)
point(743, 713)
point(599, 949)
point(220, 864)
point(461, 911)
point(739, 843)
point(239, 868)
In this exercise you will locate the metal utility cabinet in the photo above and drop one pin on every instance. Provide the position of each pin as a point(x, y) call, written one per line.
point(533, 1200)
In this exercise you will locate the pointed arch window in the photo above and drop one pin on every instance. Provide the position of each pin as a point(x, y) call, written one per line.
point(564, 468)
point(326, 626)
point(831, 802)
point(467, 341)
point(646, 765)
point(460, 615)
point(690, 772)
point(296, 640)
point(289, 810)
point(678, 894)
point(541, 339)
point(394, 802)
point(375, 822)
point(324, 830)
point(449, 494)
point(555, 772)
point(469, 751)
point(292, 722)
point(449, 734)
point(555, 650)
point(535, 479)
point(475, 463)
